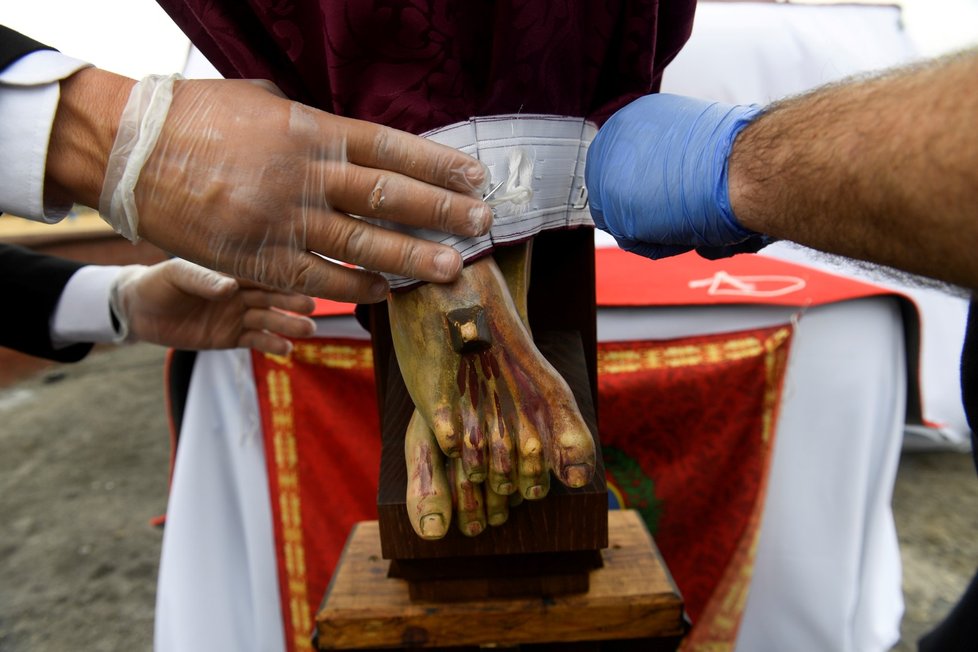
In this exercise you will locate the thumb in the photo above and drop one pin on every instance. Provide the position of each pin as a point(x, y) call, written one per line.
point(200, 281)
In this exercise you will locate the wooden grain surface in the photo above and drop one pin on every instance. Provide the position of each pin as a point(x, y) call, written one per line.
point(631, 597)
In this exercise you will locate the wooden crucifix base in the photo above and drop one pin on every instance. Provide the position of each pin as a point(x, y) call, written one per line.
point(632, 604)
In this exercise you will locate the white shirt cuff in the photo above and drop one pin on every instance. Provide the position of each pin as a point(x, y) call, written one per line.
point(83, 313)
point(29, 94)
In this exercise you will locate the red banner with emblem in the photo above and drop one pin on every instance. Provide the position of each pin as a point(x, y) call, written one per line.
point(687, 427)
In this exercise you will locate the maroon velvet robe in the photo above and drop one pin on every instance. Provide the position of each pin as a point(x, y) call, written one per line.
point(417, 65)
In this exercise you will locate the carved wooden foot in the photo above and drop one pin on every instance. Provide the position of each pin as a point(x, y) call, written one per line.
point(485, 394)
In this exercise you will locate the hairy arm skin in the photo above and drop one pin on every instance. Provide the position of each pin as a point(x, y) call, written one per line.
point(882, 169)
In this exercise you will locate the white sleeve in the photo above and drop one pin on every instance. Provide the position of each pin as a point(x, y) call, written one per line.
point(29, 94)
point(83, 313)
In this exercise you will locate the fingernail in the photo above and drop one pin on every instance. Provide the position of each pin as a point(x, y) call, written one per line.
point(473, 529)
point(432, 526)
point(447, 262)
point(478, 176)
point(379, 289)
point(222, 283)
point(477, 476)
point(481, 217)
point(505, 489)
point(577, 475)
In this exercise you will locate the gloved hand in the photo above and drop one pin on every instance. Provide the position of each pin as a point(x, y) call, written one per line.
point(656, 176)
point(183, 305)
point(231, 175)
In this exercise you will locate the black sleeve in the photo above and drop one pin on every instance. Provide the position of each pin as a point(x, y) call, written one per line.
point(32, 284)
point(14, 45)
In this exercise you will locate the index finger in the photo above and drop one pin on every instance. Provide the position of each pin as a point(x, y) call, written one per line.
point(376, 146)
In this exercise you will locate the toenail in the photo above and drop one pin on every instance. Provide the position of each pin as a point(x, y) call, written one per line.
point(432, 526)
point(577, 475)
point(535, 492)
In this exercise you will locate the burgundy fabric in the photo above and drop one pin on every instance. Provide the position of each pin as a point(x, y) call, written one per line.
point(418, 65)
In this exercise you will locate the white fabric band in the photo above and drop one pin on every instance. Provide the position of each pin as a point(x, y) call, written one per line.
point(551, 148)
point(139, 129)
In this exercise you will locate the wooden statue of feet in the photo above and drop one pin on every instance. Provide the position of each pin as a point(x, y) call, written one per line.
point(485, 394)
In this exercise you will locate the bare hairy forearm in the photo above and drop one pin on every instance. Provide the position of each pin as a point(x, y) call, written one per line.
point(883, 169)
point(84, 129)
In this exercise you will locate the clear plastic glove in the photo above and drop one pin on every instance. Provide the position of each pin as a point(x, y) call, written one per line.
point(656, 176)
point(231, 175)
point(186, 306)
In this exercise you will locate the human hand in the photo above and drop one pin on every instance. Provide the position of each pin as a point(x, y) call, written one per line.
point(656, 176)
point(185, 306)
point(234, 177)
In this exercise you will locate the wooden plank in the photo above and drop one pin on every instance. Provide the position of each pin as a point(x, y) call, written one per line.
point(482, 588)
point(631, 597)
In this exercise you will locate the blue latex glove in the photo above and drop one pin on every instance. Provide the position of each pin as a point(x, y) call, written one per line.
point(657, 177)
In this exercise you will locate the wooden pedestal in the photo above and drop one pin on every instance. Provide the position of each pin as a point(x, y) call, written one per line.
point(632, 604)
point(553, 574)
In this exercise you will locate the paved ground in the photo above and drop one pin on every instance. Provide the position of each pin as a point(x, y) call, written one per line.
point(84, 468)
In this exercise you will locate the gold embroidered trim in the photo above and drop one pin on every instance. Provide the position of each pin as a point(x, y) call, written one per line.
point(290, 504)
point(340, 356)
point(651, 357)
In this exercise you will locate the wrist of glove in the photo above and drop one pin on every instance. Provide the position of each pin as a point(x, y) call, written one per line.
point(167, 302)
point(140, 126)
point(657, 177)
point(122, 296)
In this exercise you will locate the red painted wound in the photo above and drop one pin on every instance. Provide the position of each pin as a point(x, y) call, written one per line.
point(423, 472)
point(460, 377)
point(473, 385)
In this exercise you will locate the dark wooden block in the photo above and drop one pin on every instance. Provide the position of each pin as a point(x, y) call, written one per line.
point(497, 576)
point(566, 520)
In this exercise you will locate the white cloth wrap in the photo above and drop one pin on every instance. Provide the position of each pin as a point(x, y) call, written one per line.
point(557, 147)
